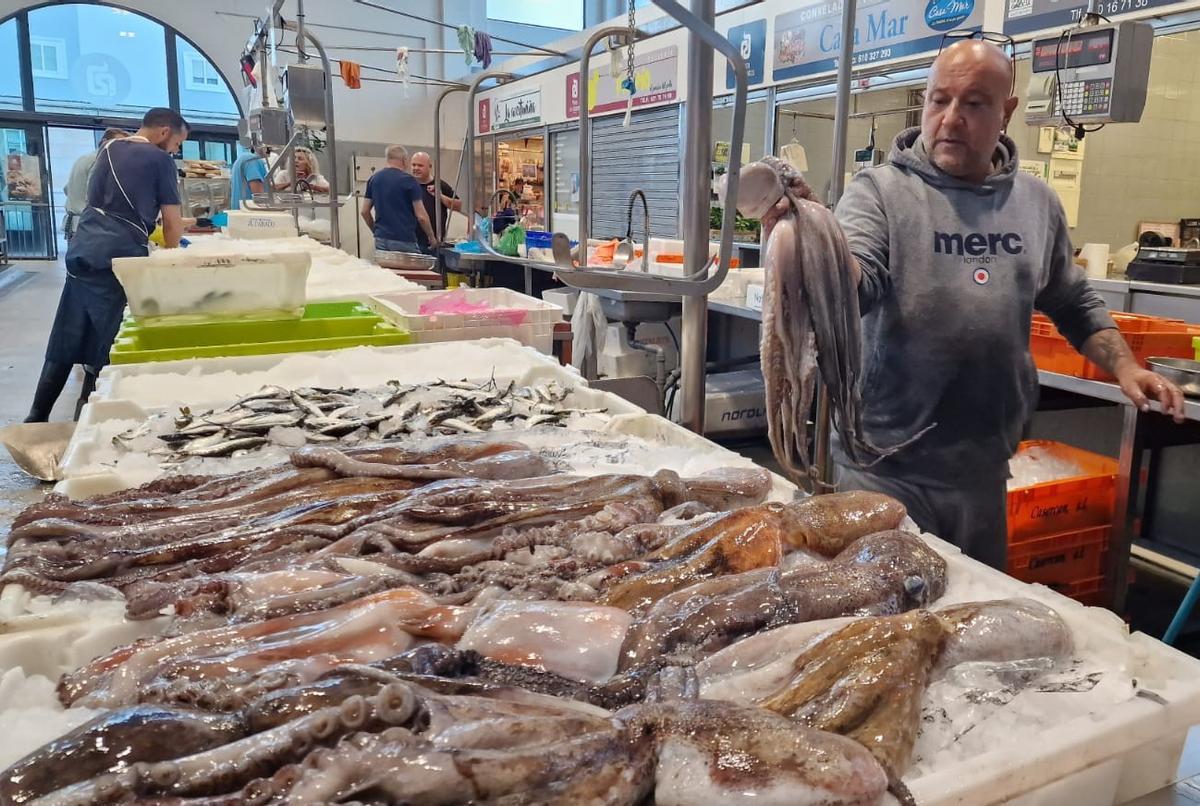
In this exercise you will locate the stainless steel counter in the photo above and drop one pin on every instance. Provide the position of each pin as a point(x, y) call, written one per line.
point(733, 309)
point(1143, 436)
point(1157, 299)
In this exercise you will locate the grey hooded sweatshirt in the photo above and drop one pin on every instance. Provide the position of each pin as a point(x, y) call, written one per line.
point(951, 273)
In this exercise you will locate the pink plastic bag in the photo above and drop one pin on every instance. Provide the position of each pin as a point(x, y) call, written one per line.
point(455, 303)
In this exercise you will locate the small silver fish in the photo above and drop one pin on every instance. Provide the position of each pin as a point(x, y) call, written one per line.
point(270, 405)
point(226, 417)
point(225, 448)
point(320, 438)
point(265, 392)
point(338, 414)
point(460, 425)
point(209, 441)
point(540, 419)
point(408, 410)
point(184, 419)
point(307, 405)
point(201, 429)
point(493, 414)
point(343, 427)
point(139, 430)
point(265, 422)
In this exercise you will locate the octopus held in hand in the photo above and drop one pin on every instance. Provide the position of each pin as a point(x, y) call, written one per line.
point(811, 319)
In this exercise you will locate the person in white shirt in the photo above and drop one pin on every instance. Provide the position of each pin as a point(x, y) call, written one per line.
point(308, 174)
point(77, 182)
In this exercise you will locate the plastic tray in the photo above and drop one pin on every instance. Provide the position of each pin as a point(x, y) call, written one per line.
point(257, 225)
point(174, 282)
point(324, 326)
point(1147, 336)
point(1060, 559)
point(1053, 507)
point(512, 315)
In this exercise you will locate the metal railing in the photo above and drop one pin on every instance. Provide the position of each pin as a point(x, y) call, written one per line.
point(29, 230)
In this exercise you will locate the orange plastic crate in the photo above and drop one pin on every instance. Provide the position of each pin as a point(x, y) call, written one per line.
point(1147, 337)
point(1062, 558)
point(1053, 507)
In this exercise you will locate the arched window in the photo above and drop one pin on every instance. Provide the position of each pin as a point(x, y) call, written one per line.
point(105, 62)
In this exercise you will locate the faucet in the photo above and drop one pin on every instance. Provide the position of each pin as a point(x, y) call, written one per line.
point(637, 193)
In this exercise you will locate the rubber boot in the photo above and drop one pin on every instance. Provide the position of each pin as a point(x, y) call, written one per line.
point(90, 375)
point(50, 385)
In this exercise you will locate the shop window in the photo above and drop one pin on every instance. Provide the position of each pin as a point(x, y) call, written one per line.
point(48, 57)
point(204, 97)
point(201, 75)
point(10, 71)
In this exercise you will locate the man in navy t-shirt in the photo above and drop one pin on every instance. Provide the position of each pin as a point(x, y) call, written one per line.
point(133, 183)
point(395, 206)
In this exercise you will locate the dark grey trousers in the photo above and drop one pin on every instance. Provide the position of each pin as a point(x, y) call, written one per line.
point(971, 514)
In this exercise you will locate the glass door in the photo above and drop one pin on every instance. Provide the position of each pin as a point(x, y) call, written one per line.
point(26, 202)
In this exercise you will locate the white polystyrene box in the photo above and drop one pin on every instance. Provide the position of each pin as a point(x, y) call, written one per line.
point(174, 283)
point(255, 225)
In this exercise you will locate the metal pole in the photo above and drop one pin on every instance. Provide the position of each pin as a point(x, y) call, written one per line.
point(696, 212)
point(585, 137)
point(437, 161)
point(837, 183)
point(472, 91)
point(335, 231)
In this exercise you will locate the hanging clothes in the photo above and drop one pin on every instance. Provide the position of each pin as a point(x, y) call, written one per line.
point(352, 74)
point(466, 41)
point(483, 49)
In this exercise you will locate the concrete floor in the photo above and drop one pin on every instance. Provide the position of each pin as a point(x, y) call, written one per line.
point(28, 298)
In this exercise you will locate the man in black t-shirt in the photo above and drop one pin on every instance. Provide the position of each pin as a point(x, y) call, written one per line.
point(422, 169)
point(392, 207)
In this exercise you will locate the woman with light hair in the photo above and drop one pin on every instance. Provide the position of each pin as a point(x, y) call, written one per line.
point(308, 174)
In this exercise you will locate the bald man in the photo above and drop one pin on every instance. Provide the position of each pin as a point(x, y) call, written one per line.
point(421, 166)
point(955, 249)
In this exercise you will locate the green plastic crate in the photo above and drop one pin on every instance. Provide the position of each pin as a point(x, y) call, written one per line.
point(324, 326)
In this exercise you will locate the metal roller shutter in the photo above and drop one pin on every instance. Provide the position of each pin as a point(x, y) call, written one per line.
point(645, 156)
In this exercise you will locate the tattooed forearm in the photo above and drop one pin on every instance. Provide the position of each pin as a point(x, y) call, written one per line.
point(1107, 349)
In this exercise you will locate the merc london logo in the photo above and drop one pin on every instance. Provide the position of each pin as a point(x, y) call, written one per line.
point(978, 248)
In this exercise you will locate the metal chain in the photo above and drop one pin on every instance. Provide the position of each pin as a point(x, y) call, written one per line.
point(629, 47)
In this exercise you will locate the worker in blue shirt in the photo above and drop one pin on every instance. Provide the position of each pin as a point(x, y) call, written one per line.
point(133, 184)
point(394, 206)
point(247, 177)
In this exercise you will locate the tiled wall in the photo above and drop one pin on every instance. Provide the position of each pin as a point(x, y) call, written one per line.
point(1133, 172)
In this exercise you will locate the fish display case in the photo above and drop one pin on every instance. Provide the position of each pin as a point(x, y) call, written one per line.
point(1105, 725)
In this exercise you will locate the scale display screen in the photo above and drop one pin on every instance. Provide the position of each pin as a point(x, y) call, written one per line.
point(1082, 49)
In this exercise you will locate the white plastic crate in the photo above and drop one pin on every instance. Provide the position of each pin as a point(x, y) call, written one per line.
point(257, 225)
point(535, 328)
point(173, 282)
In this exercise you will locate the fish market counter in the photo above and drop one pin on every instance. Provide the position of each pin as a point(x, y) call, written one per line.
point(460, 552)
point(1143, 436)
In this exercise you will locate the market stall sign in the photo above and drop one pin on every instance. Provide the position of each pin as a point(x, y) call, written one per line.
point(808, 39)
point(483, 122)
point(751, 40)
point(519, 110)
point(655, 75)
point(1024, 16)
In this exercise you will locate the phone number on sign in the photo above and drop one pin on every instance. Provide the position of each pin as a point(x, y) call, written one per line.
point(870, 56)
point(1109, 7)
